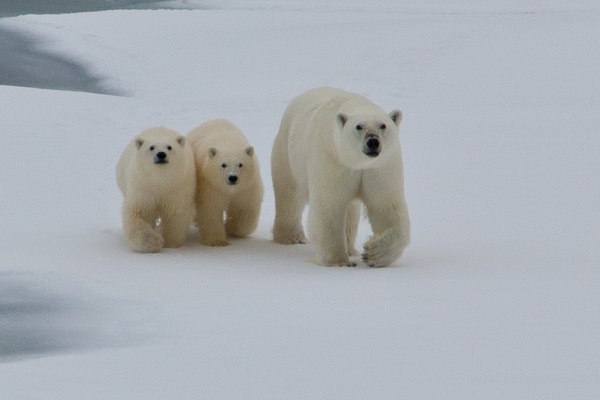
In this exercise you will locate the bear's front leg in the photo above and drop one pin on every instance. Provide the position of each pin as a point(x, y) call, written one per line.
point(383, 195)
point(391, 234)
point(326, 226)
point(243, 213)
point(382, 250)
point(140, 232)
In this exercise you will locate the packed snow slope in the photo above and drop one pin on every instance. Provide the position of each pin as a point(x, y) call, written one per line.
point(496, 297)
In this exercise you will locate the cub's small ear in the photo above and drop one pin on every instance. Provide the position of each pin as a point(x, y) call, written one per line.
point(212, 152)
point(396, 116)
point(181, 140)
point(250, 151)
point(139, 143)
point(342, 119)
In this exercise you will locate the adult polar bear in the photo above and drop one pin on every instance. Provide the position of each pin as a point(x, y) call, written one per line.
point(335, 149)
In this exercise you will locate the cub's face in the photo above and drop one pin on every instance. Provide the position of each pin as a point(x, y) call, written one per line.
point(367, 141)
point(160, 151)
point(230, 169)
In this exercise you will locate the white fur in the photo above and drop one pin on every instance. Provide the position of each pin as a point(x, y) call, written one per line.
point(222, 152)
point(319, 159)
point(158, 198)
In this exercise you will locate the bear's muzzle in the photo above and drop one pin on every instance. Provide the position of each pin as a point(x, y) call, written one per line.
point(232, 179)
point(160, 158)
point(372, 146)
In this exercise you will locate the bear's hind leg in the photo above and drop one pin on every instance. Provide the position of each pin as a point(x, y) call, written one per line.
point(289, 201)
point(287, 228)
point(326, 228)
point(352, 222)
point(175, 228)
point(210, 226)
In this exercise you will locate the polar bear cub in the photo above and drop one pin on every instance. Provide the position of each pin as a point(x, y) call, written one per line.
point(157, 177)
point(334, 150)
point(228, 182)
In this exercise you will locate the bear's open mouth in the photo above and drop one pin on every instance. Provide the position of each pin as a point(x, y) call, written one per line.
point(159, 161)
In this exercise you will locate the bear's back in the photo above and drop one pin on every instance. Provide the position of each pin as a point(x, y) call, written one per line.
point(124, 166)
point(217, 133)
point(315, 111)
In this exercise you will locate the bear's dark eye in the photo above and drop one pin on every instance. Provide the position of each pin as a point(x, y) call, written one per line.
point(240, 165)
point(169, 148)
point(223, 165)
point(382, 126)
point(359, 127)
point(151, 148)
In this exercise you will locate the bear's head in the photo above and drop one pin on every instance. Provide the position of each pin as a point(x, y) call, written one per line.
point(367, 141)
point(158, 148)
point(230, 169)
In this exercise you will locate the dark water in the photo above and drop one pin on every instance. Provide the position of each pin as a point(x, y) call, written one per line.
point(24, 62)
point(42, 314)
point(35, 321)
point(9, 8)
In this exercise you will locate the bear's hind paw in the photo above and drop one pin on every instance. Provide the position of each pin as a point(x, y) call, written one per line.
point(353, 253)
point(296, 238)
point(342, 264)
point(339, 262)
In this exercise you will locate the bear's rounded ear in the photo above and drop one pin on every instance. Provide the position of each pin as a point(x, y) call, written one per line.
point(250, 151)
point(139, 143)
point(396, 116)
point(181, 140)
point(342, 119)
point(212, 152)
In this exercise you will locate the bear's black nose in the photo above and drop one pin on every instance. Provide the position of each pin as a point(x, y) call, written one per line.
point(161, 155)
point(373, 144)
point(232, 179)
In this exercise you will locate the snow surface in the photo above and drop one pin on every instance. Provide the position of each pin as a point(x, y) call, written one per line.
point(496, 297)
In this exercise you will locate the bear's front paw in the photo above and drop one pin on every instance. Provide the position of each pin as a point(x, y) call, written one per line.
point(147, 242)
point(214, 242)
point(380, 252)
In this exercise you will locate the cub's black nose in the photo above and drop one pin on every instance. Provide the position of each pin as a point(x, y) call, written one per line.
point(373, 144)
point(161, 155)
point(232, 179)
